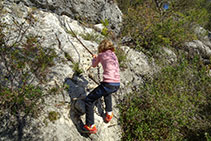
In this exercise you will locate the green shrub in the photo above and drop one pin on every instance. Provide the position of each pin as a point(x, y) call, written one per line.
point(173, 106)
point(77, 69)
point(91, 37)
point(122, 57)
point(207, 5)
point(207, 136)
point(125, 4)
point(105, 31)
point(151, 27)
point(23, 61)
point(53, 116)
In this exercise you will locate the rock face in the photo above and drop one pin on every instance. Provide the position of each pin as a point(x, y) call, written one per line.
point(55, 29)
point(92, 11)
point(202, 48)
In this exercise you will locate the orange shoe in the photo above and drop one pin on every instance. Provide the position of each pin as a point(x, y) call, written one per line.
point(89, 129)
point(108, 117)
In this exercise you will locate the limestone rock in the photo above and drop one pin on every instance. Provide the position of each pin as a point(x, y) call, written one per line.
point(92, 11)
point(55, 30)
point(202, 48)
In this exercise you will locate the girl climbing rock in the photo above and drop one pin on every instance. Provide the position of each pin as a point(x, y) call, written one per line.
point(109, 85)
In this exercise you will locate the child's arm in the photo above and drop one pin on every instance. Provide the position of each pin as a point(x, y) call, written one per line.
point(95, 60)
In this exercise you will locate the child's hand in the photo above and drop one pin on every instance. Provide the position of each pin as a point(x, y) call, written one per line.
point(94, 56)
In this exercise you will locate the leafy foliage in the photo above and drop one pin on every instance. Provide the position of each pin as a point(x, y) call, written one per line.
point(125, 4)
point(91, 37)
point(151, 27)
point(77, 69)
point(122, 57)
point(173, 106)
point(53, 116)
point(207, 5)
point(24, 62)
point(105, 30)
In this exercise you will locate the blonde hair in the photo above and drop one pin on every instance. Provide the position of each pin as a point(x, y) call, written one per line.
point(105, 45)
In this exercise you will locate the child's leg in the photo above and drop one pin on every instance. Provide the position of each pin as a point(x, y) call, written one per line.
point(90, 102)
point(108, 103)
point(108, 97)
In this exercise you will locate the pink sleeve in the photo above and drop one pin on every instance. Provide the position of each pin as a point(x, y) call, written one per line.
point(95, 61)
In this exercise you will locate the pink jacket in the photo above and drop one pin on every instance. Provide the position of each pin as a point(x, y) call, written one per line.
point(110, 65)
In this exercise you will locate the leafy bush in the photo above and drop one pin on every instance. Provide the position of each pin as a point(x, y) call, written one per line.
point(207, 5)
point(53, 116)
point(91, 37)
point(105, 30)
point(77, 70)
point(175, 105)
point(152, 27)
point(122, 57)
point(125, 4)
point(24, 66)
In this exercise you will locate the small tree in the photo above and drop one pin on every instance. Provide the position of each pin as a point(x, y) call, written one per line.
point(23, 68)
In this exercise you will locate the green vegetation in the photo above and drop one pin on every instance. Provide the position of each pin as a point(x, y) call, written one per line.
point(77, 69)
point(175, 105)
point(91, 37)
point(122, 57)
point(207, 5)
point(71, 33)
point(53, 116)
point(105, 31)
point(152, 27)
point(208, 137)
point(68, 57)
point(54, 90)
point(24, 61)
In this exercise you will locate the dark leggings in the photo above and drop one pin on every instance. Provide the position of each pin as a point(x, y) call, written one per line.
point(104, 89)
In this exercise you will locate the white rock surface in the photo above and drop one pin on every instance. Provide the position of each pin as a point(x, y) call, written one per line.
point(200, 47)
point(71, 113)
point(92, 11)
point(54, 29)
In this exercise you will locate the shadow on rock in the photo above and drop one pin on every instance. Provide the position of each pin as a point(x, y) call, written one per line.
point(77, 91)
point(14, 128)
